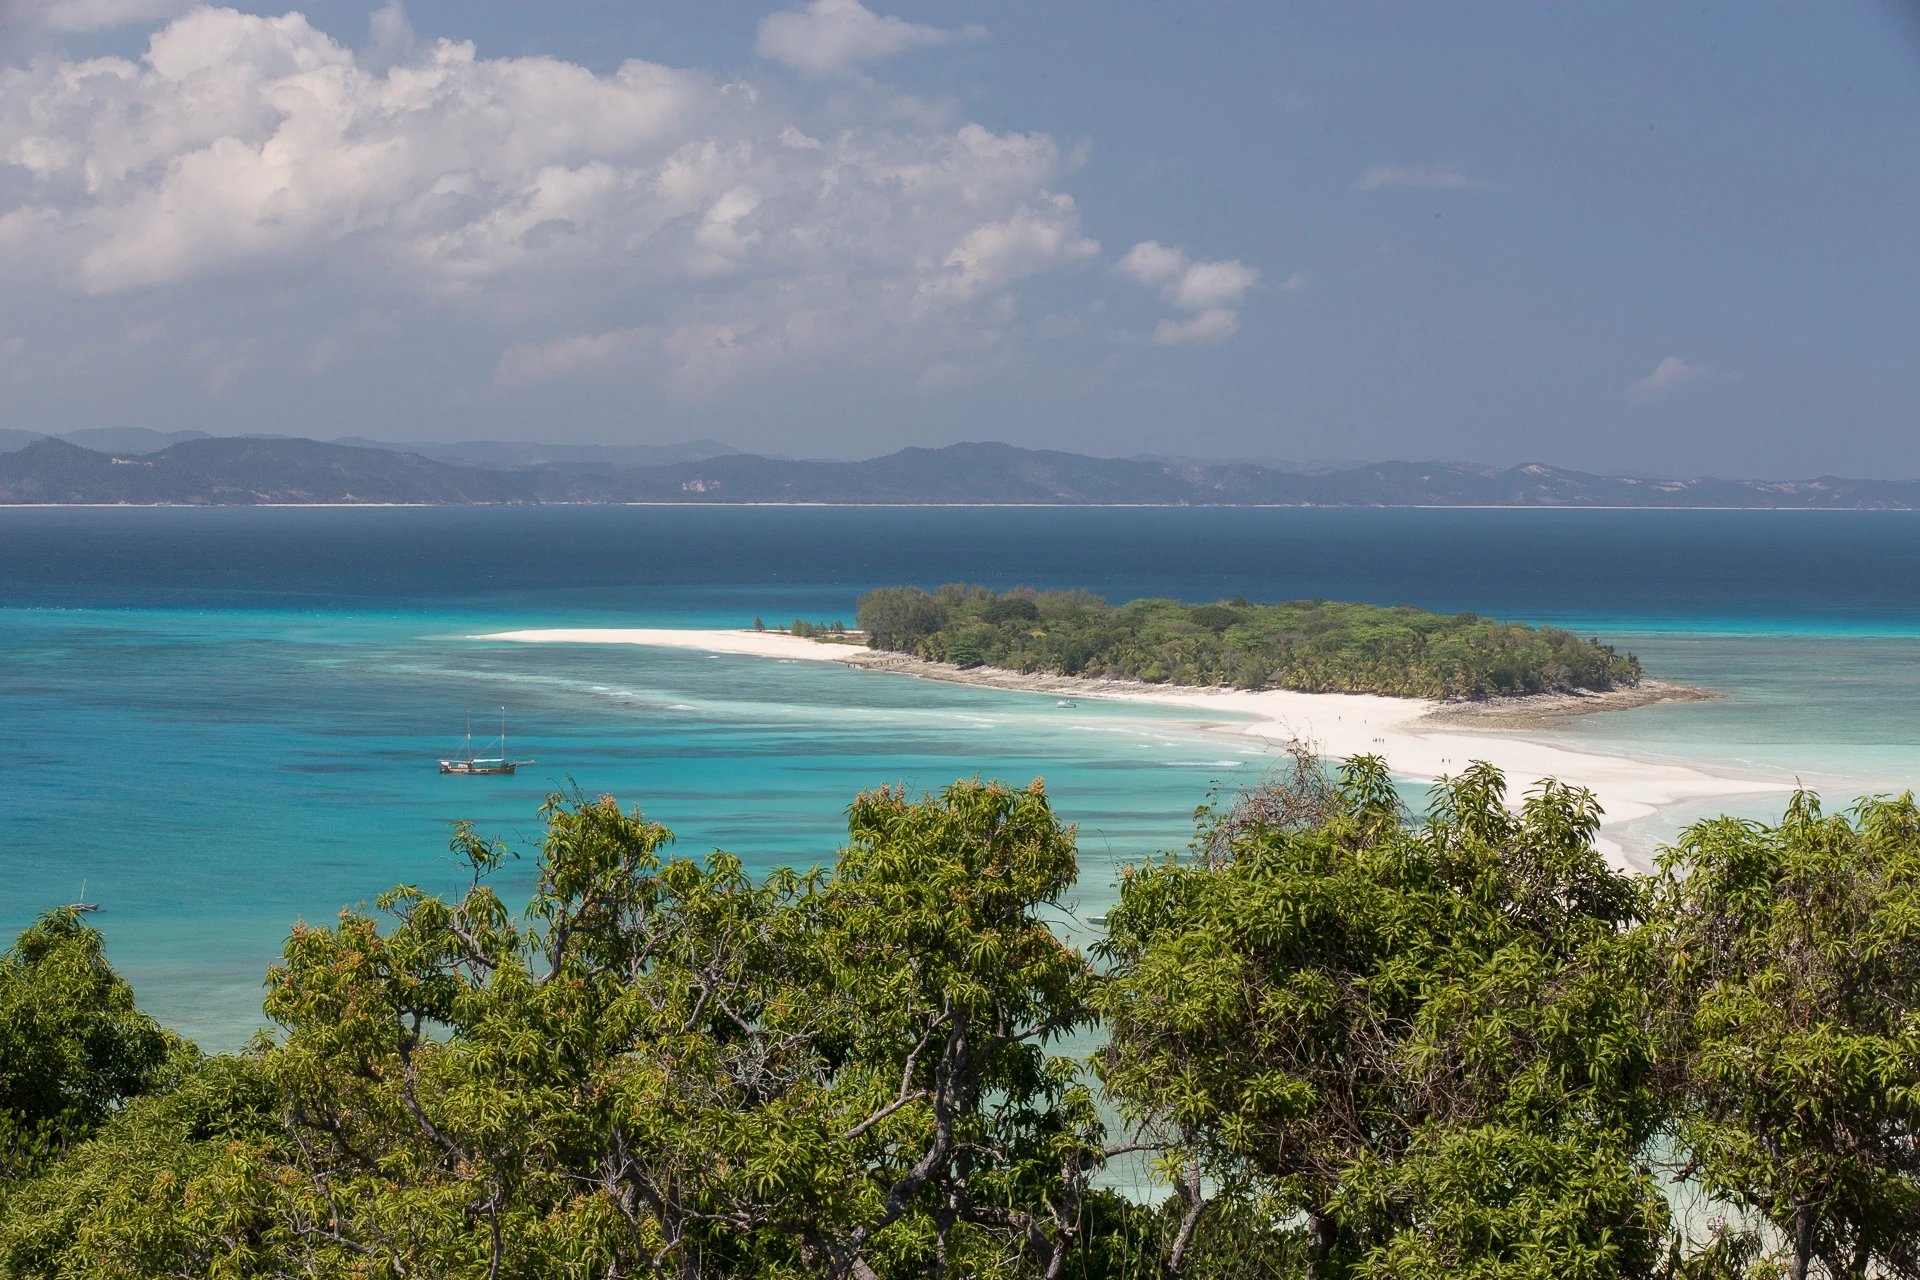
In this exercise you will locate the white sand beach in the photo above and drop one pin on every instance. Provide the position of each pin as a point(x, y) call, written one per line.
point(759, 644)
point(1336, 724)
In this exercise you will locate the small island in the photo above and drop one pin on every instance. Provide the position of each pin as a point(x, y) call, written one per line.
point(1311, 646)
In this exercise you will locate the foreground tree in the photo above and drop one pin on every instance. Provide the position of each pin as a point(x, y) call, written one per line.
point(1357, 1044)
point(661, 1068)
point(1428, 1045)
point(72, 1044)
point(1794, 956)
point(172, 1184)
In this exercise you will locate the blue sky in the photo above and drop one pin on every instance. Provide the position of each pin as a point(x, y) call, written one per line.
point(1642, 237)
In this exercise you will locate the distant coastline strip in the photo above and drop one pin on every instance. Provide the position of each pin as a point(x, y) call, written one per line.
point(137, 467)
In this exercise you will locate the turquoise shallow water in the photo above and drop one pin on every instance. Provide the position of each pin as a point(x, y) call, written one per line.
point(212, 776)
point(221, 721)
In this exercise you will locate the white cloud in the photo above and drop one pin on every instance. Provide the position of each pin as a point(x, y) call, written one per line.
point(1413, 177)
point(828, 37)
point(389, 35)
point(1214, 288)
point(995, 254)
point(1294, 283)
point(1153, 264)
point(1215, 325)
point(1205, 286)
point(1670, 375)
point(1188, 284)
point(651, 219)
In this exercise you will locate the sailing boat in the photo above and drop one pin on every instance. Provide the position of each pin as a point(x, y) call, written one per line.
point(485, 764)
point(83, 904)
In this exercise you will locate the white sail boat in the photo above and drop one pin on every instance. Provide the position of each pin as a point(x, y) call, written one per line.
point(83, 904)
point(484, 764)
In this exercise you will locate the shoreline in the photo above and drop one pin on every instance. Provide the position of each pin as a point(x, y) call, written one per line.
point(187, 505)
point(1048, 506)
point(1419, 737)
point(1520, 711)
point(1549, 710)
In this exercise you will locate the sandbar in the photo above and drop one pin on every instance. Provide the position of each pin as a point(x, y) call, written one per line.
point(1421, 739)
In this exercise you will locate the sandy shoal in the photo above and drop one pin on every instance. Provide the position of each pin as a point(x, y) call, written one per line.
point(1336, 724)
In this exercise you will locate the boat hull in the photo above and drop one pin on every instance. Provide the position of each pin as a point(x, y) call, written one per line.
point(479, 767)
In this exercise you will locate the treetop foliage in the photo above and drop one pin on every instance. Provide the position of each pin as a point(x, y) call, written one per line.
point(1793, 959)
point(1360, 1022)
point(1318, 646)
point(71, 1041)
point(1351, 1042)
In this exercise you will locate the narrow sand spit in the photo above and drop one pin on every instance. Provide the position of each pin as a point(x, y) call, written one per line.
point(1420, 739)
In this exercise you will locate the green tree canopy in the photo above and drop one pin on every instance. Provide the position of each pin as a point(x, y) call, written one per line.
point(72, 1044)
point(1424, 1043)
point(117, 1204)
point(659, 1068)
point(1793, 957)
point(1313, 645)
point(1355, 1042)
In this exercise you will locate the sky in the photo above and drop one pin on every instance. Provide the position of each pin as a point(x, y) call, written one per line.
point(1655, 238)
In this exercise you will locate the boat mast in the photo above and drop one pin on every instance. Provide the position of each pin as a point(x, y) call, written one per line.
point(503, 735)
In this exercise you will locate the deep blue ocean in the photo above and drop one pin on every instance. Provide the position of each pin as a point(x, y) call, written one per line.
point(220, 721)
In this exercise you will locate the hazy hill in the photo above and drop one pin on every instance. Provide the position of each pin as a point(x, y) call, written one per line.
point(238, 471)
point(121, 440)
point(491, 454)
point(999, 473)
point(514, 454)
point(961, 473)
point(242, 470)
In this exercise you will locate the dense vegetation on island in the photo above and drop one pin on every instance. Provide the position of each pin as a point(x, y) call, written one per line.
point(1350, 1042)
point(1319, 646)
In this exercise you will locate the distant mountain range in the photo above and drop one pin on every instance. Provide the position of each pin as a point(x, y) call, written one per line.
point(493, 454)
point(244, 470)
